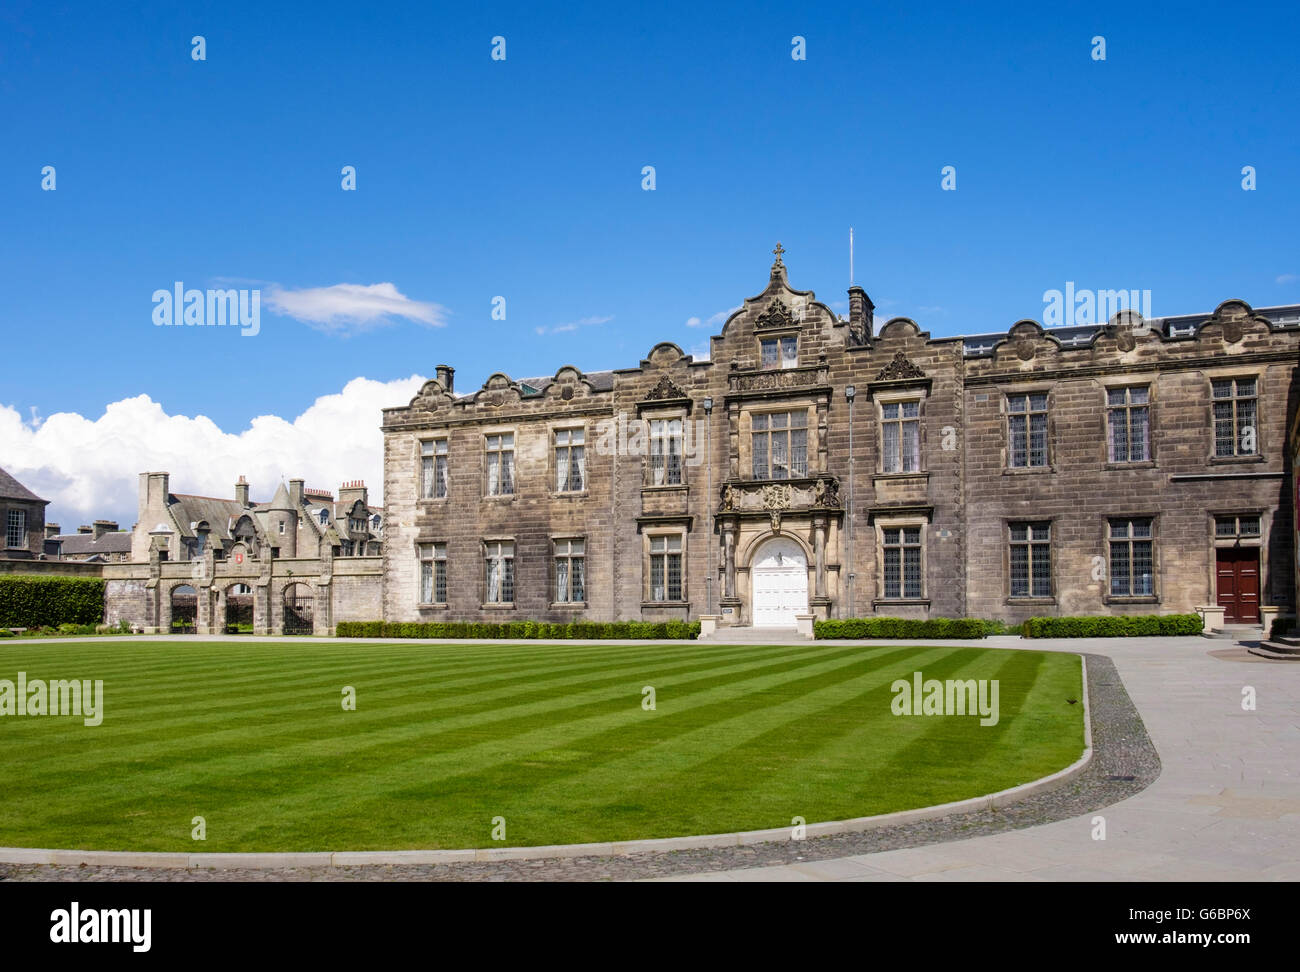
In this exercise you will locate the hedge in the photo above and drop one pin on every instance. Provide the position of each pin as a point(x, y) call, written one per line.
point(518, 630)
point(35, 602)
point(1113, 626)
point(900, 628)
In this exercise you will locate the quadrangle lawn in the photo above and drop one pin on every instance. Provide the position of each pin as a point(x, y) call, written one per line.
point(252, 736)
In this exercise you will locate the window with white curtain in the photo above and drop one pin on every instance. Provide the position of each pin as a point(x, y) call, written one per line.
point(500, 464)
point(500, 572)
point(570, 461)
point(665, 467)
point(433, 469)
point(570, 571)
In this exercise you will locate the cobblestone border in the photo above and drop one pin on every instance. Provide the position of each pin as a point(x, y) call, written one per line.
point(1118, 762)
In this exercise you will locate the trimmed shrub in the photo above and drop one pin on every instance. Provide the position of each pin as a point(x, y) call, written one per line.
point(963, 628)
point(520, 630)
point(46, 602)
point(1113, 626)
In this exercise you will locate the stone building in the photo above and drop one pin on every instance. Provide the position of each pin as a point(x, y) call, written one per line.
point(820, 466)
point(22, 514)
point(101, 542)
point(298, 564)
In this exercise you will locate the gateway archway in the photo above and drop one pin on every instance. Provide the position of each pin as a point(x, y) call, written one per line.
point(779, 577)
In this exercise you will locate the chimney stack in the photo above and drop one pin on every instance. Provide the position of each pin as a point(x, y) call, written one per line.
point(861, 320)
point(51, 530)
point(84, 528)
point(350, 492)
point(446, 378)
point(100, 527)
point(295, 493)
point(241, 492)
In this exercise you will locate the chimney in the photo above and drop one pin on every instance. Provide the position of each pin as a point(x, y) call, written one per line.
point(154, 490)
point(51, 530)
point(295, 493)
point(446, 378)
point(349, 493)
point(241, 492)
point(100, 527)
point(861, 320)
point(84, 528)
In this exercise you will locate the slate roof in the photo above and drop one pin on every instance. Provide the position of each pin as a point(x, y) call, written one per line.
point(11, 488)
point(85, 544)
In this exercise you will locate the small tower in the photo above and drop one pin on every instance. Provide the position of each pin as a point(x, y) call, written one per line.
point(283, 519)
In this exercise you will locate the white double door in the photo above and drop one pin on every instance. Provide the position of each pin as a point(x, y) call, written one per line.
point(779, 573)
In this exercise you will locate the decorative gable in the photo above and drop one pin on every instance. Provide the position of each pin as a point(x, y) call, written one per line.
point(900, 369)
point(776, 315)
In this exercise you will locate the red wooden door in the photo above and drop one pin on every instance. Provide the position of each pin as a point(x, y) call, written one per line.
point(1238, 584)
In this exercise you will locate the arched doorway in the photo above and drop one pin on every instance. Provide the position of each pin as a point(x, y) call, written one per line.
point(298, 603)
point(239, 609)
point(779, 577)
point(185, 609)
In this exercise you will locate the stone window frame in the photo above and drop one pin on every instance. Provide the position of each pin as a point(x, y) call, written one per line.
point(676, 413)
point(882, 398)
point(485, 546)
point(1105, 542)
point(1053, 547)
point(15, 519)
point(484, 434)
point(434, 559)
point(1006, 393)
point(433, 439)
point(882, 524)
point(552, 578)
point(647, 591)
point(1147, 380)
point(1261, 543)
point(1210, 376)
point(778, 335)
point(778, 407)
point(553, 463)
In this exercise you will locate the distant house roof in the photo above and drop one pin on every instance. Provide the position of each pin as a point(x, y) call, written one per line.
point(11, 488)
point(85, 544)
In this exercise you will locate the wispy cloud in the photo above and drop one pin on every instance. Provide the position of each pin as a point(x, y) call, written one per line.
point(348, 308)
point(700, 352)
point(1287, 278)
point(570, 326)
point(713, 321)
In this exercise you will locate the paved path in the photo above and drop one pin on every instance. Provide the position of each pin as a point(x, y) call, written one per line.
point(1226, 806)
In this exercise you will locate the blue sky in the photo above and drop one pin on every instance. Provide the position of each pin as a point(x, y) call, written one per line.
point(522, 178)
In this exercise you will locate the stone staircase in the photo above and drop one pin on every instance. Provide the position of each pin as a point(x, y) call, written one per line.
point(756, 636)
point(1285, 646)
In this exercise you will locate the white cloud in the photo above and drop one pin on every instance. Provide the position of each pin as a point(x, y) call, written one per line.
point(89, 468)
point(345, 308)
point(700, 352)
point(693, 322)
point(1287, 278)
point(714, 320)
point(570, 326)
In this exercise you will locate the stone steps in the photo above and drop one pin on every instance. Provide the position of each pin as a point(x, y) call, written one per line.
point(755, 636)
point(1275, 649)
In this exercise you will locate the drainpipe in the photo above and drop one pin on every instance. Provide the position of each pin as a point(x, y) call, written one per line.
point(849, 393)
point(708, 503)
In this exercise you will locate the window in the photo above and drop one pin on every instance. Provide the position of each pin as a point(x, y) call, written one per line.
point(1027, 429)
point(1235, 432)
point(665, 467)
point(1031, 560)
point(902, 556)
point(1231, 527)
point(501, 464)
point(324, 517)
point(570, 461)
point(282, 526)
point(500, 572)
point(780, 352)
point(433, 573)
point(780, 445)
point(666, 568)
point(1128, 424)
point(570, 571)
point(433, 469)
point(900, 431)
point(16, 528)
point(1130, 558)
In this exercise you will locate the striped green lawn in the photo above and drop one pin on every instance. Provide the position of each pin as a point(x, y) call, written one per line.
point(252, 737)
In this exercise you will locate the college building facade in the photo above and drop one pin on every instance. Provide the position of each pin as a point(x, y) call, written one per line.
point(821, 466)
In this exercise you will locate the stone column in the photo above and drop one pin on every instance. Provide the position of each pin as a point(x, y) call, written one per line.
point(320, 612)
point(819, 549)
point(729, 539)
point(219, 620)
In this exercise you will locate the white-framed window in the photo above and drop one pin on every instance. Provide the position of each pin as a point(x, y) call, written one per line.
point(900, 436)
point(433, 573)
point(666, 567)
point(500, 563)
point(665, 467)
point(282, 527)
point(779, 442)
point(570, 571)
point(779, 352)
point(1132, 558)
point(500, 464)
point(570, 461)
point(433, 469)
point(1027, 429)
point(1236, 432)
point(1031, 559)
point(901, 561)
point(1128, 424)
point(16, 528)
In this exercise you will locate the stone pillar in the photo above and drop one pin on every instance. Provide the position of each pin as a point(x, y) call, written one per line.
point(219, 610)
point(320, 612)
point(262, 623)
point(203, 610)
point(819, 551)
point(164, 609)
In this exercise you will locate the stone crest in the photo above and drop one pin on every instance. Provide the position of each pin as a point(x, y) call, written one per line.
point(776, 315)
point(664, 391)
point(899, 369)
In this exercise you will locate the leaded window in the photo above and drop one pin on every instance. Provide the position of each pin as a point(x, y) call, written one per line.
point(782, 352)
point(433, 573)
point(665, 467)
point(1027, 429)
point(900, 433)
point(902, 561)
point(666, 568)
point(780, 444)
point(501, 464)
point(1031, 560)
point(433, 469)
point(1131, 563)
point(570, 571)
point(570, 461)
point(500, 572)
point(1235, 407)
point(1128, 424)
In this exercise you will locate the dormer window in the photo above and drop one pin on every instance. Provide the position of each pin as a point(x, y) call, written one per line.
point(780, 352)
